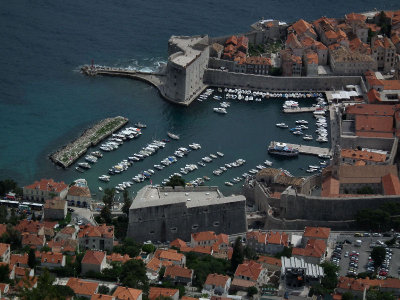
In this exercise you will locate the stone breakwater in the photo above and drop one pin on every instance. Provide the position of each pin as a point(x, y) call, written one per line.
point(69, 153)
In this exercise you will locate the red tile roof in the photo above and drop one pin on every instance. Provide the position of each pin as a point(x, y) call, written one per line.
point(96, 231)
point(125, 293)
point(154, 264)
point(176, 271)
point(232, 40)
point(363, 155)
point(82, 287)
point(217, 280)
point(204, 236)
point(374, 125)
point(169, 254)
point(302, 27)
point(32, 240)
point(391, 184)
point(156, 292)
point(101, 297)
point(249, 269)
point(178, 243)
point(118, 257)
point(79, 191)
point(48, 185)
point(19, 259)
point(93, 257)
point(29, 226)
point(50, 257)
point(391, 84)
point(260, 237)
point(370, 109)
point(269, 260)
point(314, 248)
point(317, 232)
point(374, 96)
point(3, 229)
point(330, 187)
point(355, 17)
point(278, 238)
point(4, 248)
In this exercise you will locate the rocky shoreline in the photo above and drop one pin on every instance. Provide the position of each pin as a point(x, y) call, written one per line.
point(69, 153)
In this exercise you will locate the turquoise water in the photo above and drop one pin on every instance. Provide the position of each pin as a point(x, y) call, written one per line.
point(45, 101)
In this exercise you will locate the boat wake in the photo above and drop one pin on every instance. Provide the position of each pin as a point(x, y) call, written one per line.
point(146, 65)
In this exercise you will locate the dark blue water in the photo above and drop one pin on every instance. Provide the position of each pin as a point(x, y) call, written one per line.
point(45, 102)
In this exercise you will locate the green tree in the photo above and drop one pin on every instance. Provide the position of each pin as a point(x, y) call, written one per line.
point(103, 289)
point(3, 214)
point(133, 275)
point(129, 246)
point(106, 215)
point(347, 296)
point(238, 254)
point(378, 255)
point(149, 248)
point(176, 181)
point(31, 258)
point(12, 237)
point(374, 294)
point(251, 291)
point(4, 274)
point(9, 185)
point(127, 202)
point(108, 197)
point(161, 273)
point(250, 253)
point(330, 280)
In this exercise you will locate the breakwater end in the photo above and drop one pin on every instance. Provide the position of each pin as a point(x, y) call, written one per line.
point(69, 153)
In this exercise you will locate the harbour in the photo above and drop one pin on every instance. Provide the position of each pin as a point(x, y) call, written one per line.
point(305, 149)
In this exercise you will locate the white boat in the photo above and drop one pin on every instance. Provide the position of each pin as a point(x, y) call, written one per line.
point(298, 132)
point(282, 125)
point(105, 178)
point(100, 188)
point(319, 113)
point(220, 154)
point(220, 110)
point(84, 165)
point(213, 156)
point(308, 137)
point(268, 163)
point(302, 122)
point(173, 136)
point(228, 183)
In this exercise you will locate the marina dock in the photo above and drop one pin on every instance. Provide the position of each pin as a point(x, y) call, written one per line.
point(304, 149)
point(68, 154)
point(299, 109)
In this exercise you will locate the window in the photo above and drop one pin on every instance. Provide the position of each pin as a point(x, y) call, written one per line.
point(152, 232)
point(195, 226)
point(174, 229)
point(216, 224)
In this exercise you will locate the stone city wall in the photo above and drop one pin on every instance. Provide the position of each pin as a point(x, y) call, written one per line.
point(352, 142)
point(269, 83)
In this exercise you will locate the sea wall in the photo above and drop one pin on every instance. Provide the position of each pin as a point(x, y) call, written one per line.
point(269, 83)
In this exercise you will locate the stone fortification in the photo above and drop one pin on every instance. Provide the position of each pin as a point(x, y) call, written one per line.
point(164, 214)
point(270, 83)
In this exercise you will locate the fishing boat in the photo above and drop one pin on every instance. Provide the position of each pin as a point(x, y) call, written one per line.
point(140, 125)
point(302, 122)
point(79, 170)
point(308, 137)
point(97, 154)
point(173, 136)
point(282, 125)
point(268, 163)
point(100, 188)
point(105, 178)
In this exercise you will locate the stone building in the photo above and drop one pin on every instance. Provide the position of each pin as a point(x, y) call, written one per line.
point(384, 53)
point(164, 213)
point(45, 189)
point(93, 261)
point(96, 237)
point(345, 62)
point(55, 209)
point(79, 195)
point(188, 58)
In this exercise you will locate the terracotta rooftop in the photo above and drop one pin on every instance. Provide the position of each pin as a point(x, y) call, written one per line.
point(178, 243)
point(204, 236)
point(312, 58)
point(374, 96)
point(169, 254)
point(343, 54)
point(242, 283)
point(302, 27)
point(269, 260)
point(278, 238)
point(101, 297)
point(363, 155)
point(314, 248)
point(391, 184)
point(32, 240)
point(260, 237)
point(231, 40)
point(47, 185)
point(371, 109)
point(317, 232)
point(118, 257)
point(82, 287)
point(50, 257)
point(154, 264)
point(176, 271)
point(391, 84)
point(28, 226)
point(4, 248)
point(126, 293)
point(355, 17)
point(258, 60)
point(365, 174)
point(374, 124)
point(19, 259)
point(249, 269)
point(79, 191)
point(93, 257)
point(217, 280)
point(96, 231)
point(156, 292)
point(330, 187)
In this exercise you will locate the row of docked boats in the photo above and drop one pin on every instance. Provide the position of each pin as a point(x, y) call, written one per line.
point(321, 130)
point(118, 139)
point(237, 163)
point(222, 109)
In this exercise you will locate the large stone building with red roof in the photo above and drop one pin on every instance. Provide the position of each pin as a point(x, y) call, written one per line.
point(45, 189)
point(96, 237)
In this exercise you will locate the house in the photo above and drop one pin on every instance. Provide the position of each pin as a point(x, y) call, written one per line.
point(28, 226)
point(19, 260)
point(384, 53)
point(345, 62)
point(204, 238)
point(350, 156)
point(82, 288)
point(171, 255)
point(303, 28)
point(156, 292)
point(153, 266)
point(21, 272)
point(102, 297)
point(125, 293)
point(316, 233)
point(217, 284)
point(270, 263)
point(116, 257)
point(358, 25)
point(93, 261)
point(79, 195)
point(67, 233)
point(5, 252)
point(178, 275)
point(55, 209)
point(247, 274)
point(45, 189)
point(177, 243)
point(63, 246)
point(33, 241)
point(52, 260)
point(271, 242)
point(313, 252)
point(291, 64)
point(310, 62)
point(96, 237)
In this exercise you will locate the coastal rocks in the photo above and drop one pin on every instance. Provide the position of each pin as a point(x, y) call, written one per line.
point(68, 154)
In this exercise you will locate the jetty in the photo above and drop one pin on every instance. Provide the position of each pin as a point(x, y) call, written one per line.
point(299, 109)
point(304, 149)
point(69, 153)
